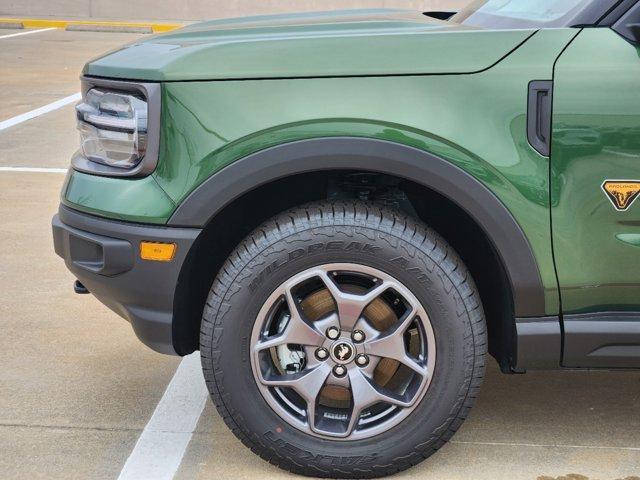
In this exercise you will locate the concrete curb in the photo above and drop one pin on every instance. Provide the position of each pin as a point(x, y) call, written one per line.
point(11, 24)
point(84, 25)
point(92, 27)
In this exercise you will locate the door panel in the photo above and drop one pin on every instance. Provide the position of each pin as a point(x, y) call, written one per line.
point(596, 138)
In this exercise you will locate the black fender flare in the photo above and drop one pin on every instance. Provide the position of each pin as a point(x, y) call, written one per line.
point(351, 153)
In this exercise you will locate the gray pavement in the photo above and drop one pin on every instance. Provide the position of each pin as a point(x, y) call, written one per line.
point(77, 388)
point(43, 67)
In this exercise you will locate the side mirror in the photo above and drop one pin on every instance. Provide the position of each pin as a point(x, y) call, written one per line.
point(440, 15)
point(628, 26)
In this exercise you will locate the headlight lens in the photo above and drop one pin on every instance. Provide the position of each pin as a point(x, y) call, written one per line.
point(113, 128)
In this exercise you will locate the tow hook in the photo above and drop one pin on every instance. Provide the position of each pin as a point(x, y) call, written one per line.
point(79, 288)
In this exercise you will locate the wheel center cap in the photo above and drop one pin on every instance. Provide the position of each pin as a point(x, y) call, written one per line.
point(343, 351)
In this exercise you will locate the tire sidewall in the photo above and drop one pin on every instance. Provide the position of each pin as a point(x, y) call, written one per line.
point(419, 268)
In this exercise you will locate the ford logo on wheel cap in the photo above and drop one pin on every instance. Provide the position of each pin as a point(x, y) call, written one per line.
point(343, 352)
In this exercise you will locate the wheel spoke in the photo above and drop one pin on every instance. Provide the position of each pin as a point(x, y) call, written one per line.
point(297, 331)
point(350, 306)
point(307, 384)
point(391, 345)
point(365, 394)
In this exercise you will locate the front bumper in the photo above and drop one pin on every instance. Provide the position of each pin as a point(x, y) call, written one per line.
point(104, 255)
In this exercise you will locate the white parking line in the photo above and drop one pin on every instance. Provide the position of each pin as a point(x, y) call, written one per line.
point(33, 169)
point(39, 111)
point(28, 32)
point(164, 440)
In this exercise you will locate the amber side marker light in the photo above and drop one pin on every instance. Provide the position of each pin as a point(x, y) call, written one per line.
point(157, 251)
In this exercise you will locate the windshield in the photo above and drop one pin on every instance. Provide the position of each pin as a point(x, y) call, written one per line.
point(520, 13)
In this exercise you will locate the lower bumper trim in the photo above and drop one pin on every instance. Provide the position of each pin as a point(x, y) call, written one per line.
point(102, 254)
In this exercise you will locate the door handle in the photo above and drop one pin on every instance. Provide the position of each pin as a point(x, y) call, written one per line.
point(539, 105)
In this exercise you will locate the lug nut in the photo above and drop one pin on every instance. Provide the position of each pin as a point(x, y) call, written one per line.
point(339, 370)
point(322, 353)
point(357, 336)
point(362, 360)
point(333, 333)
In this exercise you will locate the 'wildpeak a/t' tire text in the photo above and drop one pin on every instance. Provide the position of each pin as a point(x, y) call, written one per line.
point(343, 340)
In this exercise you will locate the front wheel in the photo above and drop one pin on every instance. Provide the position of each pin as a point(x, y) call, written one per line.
point(343, 340)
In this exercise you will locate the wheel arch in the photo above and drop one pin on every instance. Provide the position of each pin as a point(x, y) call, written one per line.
point(217, 200)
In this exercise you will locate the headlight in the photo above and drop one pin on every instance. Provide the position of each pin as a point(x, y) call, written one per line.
point(119, 124)
point(113, 128)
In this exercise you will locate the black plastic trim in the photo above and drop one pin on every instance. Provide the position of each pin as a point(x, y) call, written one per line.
point(94, 253)
point(594, 14)
point(152, 93)
point(539, 103)
point(616, 12)
point(539, 344)
point(440, 15)
point(349, 153)
point(628, 25)
point(138, 290)
point(602, 340)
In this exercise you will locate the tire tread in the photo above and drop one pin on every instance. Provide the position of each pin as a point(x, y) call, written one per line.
point(427, 244)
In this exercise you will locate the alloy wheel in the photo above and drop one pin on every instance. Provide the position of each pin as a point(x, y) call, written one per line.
point(343, 351)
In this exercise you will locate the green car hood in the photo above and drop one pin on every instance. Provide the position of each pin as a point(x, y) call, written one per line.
point(355, 42)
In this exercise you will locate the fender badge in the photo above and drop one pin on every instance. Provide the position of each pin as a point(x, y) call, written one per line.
point(621, 193)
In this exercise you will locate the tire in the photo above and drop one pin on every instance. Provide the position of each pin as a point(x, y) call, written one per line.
point(334, 233)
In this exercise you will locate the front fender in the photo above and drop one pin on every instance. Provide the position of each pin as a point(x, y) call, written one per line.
point(350, 153)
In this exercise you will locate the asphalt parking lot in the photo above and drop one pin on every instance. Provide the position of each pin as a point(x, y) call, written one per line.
point(78, 391)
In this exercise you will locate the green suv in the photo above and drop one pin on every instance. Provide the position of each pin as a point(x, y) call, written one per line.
point(344, 212)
